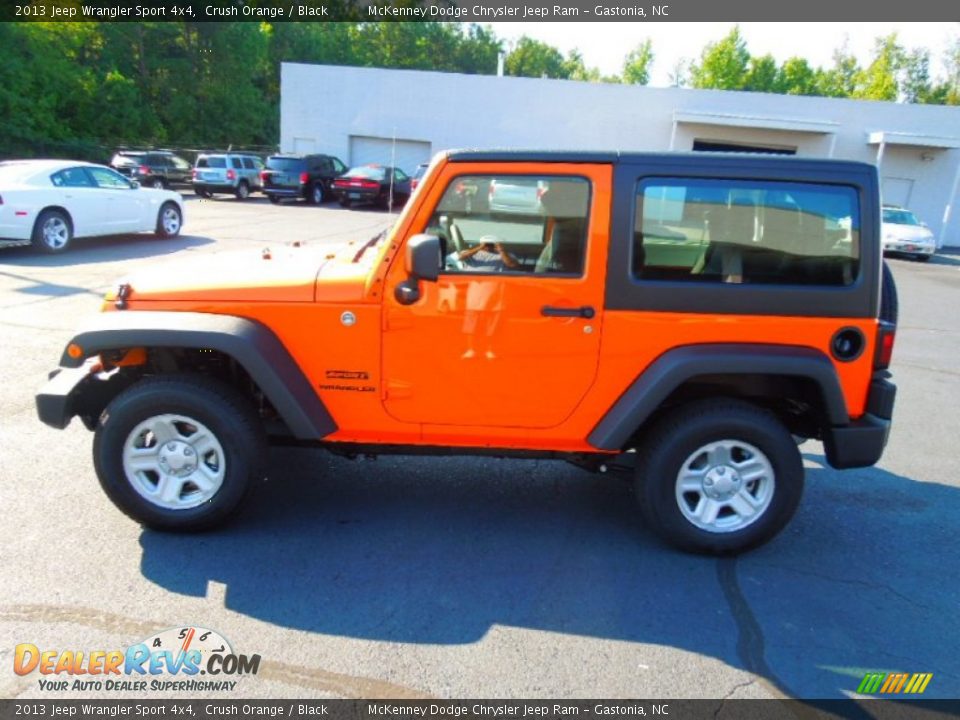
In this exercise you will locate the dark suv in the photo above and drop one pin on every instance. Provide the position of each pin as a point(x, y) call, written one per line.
point(300, 176)
point(153, 168)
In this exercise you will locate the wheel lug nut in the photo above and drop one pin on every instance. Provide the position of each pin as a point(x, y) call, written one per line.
point(708, 481)
point(722, 471)
point(163, 459)
point(188, 452)
point(171, 446)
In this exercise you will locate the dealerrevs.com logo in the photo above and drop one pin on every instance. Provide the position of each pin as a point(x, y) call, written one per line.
point(190, 659)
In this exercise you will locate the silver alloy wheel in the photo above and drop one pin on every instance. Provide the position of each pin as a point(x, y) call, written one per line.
point(317, 194)
point(56, 233)
point(243, 191)
point(157, 184)
point(170, 219)
point(725, 486)
point(174, 462)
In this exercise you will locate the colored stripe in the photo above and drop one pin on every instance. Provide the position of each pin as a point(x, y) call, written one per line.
point(913, 681)
point(903, 679)
point(890, 680)
point(926, 681)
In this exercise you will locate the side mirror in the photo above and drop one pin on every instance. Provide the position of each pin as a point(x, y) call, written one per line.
point(422, 263)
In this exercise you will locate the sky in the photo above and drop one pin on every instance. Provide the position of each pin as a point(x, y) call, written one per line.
point(604, 44)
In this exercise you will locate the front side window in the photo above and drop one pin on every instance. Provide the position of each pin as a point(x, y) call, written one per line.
point(236, 164)
point(746, 232)
point(109, 179)
point(338, 166)
point(513, 223)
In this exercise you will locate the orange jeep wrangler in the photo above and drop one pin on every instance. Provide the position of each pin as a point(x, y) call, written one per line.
point(696, 315)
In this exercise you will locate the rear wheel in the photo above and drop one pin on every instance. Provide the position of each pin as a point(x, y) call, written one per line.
point(169, 221)
point(243, 190)
point(921, 258)
point(275, 199)
point(179, 452)
point(53, 231)
point(157, 184)
point(719, 477)
point(204, 193)
point(315, 196)
point(344, 202)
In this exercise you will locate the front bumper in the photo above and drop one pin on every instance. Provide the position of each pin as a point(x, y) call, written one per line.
point(57, 400)
point(905, 246)
point(861, 443)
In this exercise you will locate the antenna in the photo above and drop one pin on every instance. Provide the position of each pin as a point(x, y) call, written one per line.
point(393, 167)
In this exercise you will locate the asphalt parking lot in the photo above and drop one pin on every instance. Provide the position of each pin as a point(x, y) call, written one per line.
point(475, 578)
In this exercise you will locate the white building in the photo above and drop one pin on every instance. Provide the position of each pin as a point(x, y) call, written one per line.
point(402, 117)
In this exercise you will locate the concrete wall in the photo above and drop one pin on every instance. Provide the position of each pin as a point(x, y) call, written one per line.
point(325, 105)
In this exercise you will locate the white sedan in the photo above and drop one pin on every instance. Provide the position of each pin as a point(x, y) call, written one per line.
point(903, 233)
point(48, 203)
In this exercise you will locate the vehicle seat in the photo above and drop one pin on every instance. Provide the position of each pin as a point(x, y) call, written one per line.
point(565, 205)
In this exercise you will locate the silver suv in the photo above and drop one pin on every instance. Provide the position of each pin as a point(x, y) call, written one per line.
point(232, 173)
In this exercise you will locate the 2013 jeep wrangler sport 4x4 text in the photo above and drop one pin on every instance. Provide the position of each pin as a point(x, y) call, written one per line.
point(695, 314)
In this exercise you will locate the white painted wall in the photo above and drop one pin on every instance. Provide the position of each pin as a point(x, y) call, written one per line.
point(448, 110)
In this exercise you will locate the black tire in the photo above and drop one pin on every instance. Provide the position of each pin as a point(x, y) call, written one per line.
point(243, 190)
point(676, 439)
point(166, 226)
point(922, 258)
point(204, 193)
point(157, 184)
point(889, 302)
point(344, 202)
point(275, 199)
point(316, 195)
point(52, 232)
point(227, 415)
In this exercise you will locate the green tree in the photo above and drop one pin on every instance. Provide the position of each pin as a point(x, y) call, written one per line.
point(762, 75)
point(532, 58)
point(723, 65)
point(796, 77)
point(840, 80)
point(637, 64)
point(879, 81)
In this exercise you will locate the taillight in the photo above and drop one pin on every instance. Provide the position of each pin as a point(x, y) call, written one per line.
point(231, 175)
point(369, 184)
point(541, 191)
point(195, 174)
point(413, 184)
point(304, 178)
point(886, 334)
point(143, 170)
point(263, 175)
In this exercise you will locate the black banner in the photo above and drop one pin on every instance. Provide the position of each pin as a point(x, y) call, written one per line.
point(487, 709)
point(481, 11)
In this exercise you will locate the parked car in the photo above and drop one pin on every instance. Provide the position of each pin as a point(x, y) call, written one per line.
point(516, 195)
point(232, 173)
point(902, 232)
point(49, 203)
point(667, 334)
point(418, 175)
point(378, 184)
point(152, 168)
point(300, 176)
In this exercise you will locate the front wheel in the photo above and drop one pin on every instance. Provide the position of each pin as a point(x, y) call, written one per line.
point(169, 221)
point(275, 199)
point(178, 452)
point(719, 477)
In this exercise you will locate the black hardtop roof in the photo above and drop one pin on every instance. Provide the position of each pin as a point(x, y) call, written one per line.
point(616, 157)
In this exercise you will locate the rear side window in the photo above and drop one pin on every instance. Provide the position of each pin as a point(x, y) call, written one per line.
point(285, 164)
point(746, 232)
point(212, 162)
point(248, 163)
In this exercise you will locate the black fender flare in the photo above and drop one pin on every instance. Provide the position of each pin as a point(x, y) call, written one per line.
point(253, 345)
point(677, 366)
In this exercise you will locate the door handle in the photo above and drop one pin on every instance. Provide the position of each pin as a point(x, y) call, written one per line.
point(585, 311)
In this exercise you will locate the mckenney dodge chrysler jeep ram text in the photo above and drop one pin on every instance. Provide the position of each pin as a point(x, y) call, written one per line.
point(693, 314)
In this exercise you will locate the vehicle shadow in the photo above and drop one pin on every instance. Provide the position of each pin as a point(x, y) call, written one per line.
point(112, 248)
point(439, 550)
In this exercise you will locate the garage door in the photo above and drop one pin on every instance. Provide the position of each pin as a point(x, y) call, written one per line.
point(404, 154)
